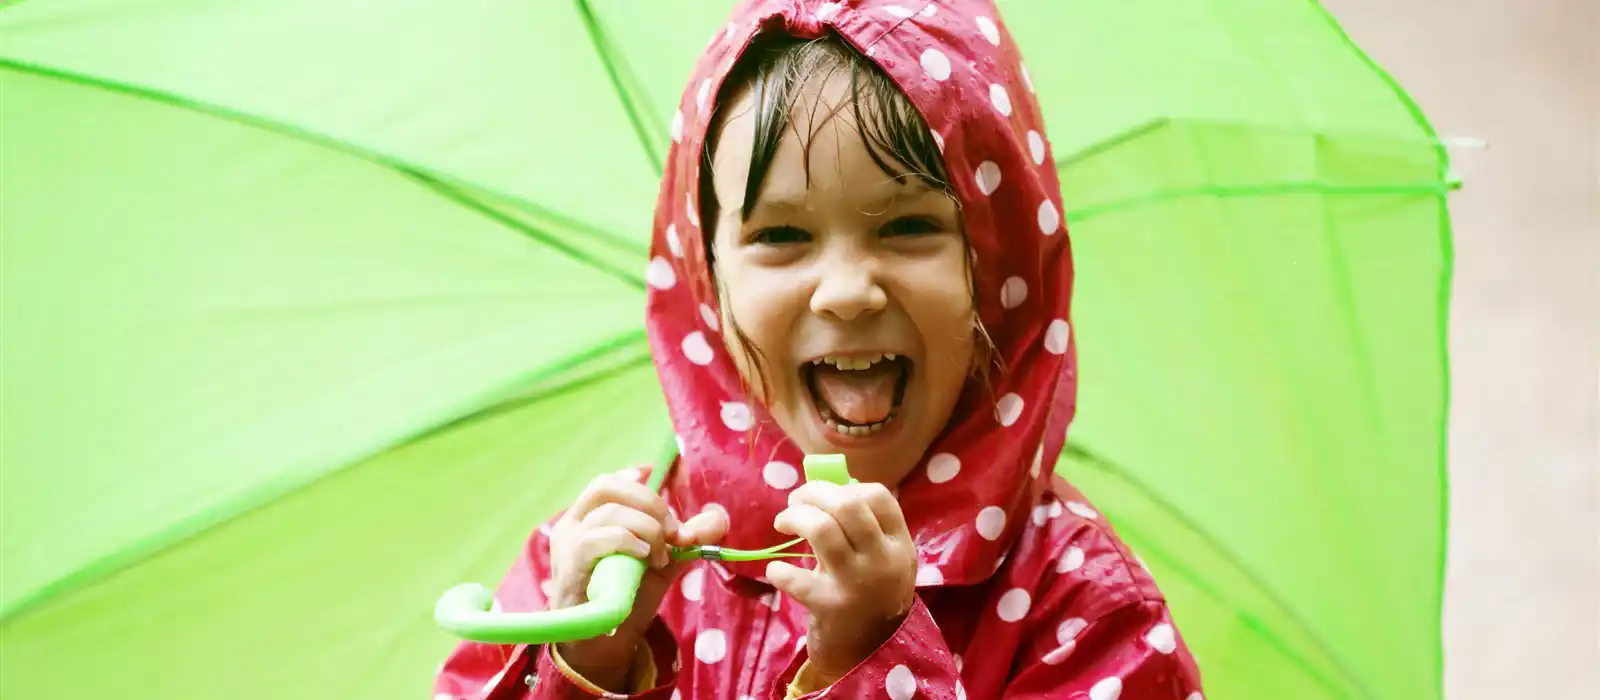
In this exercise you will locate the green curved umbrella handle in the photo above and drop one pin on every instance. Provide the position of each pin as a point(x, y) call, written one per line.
point(466, 610)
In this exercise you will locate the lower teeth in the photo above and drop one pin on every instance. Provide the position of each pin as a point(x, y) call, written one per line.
point(856, 430)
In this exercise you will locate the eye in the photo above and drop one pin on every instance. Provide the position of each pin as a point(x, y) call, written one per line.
point(912, 226)
point(778, 235)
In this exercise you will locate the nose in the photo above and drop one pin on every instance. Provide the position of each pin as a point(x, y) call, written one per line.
point(848, 287)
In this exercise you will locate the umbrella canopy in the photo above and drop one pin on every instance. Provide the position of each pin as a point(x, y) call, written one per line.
point(314, 308)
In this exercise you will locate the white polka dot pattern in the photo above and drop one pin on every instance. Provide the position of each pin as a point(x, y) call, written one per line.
point(780, 475)
point(1162, 638)
point(710, 646)
point(1108, 689)
point(692, 585)
point(986, 27)
point(1000, 99)
point(659, 273)
point(943, 467)
point(936, 64)
point(698, 349)
point(1049, 218)
point(1056, 337)
point(1082, 510)
point(900, 683)
point(1014, 605)
point(991, 522)
point(1014, 292)
point(988, 177)
point(1071, 561)
point(736, 415)
point(1009, 409)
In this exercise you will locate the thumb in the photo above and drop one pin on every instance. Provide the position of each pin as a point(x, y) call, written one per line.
point(709, 527)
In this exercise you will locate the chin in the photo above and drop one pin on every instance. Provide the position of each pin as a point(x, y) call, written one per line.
point(885, 456)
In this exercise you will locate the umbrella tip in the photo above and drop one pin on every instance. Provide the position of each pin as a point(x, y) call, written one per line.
point(1467, 142)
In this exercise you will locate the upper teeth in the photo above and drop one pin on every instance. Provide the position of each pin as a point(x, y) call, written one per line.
point(854, 363)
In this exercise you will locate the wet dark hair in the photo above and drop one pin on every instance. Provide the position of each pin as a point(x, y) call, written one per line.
point(777, 69)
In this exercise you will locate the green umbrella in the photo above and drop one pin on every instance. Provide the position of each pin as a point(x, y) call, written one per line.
point(315, 308)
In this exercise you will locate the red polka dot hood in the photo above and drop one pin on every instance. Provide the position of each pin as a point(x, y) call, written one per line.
point(971, 494)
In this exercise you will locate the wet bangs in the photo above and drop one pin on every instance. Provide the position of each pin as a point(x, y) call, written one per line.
point(777, 70)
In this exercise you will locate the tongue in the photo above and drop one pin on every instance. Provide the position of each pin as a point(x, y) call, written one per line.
point(858, 396)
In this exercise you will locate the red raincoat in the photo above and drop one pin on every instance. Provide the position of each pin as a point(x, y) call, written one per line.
point(1023, 589)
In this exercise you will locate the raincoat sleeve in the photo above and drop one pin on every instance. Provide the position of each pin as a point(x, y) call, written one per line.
point(476, 671)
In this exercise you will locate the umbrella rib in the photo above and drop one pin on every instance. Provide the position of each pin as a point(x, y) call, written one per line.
point(456, 195)
point(1105, 464)
point(630, 342)
point(642, 359)
point(1118, 139)
point(598, 234)
point(617, 70)
point(382, 159)
point(178, 533)
point(1431, 140)
point(1438, 188)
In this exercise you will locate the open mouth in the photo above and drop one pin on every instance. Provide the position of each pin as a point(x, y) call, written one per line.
point(857, 395)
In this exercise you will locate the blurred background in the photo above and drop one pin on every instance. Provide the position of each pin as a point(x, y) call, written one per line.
point(1522, 584)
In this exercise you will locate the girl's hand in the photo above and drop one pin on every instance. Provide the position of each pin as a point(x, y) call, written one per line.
point(865, 580)
point(617, 514)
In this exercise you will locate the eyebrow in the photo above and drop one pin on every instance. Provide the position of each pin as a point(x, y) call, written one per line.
point(913, 188)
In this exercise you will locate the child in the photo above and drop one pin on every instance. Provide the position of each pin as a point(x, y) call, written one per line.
point(859, 249)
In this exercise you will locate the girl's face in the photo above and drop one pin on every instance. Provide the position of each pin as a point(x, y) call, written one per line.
point(850, 284)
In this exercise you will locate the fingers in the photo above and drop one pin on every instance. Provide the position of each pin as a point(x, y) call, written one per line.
point(605, 540)
point(866, 567)
point(647, 529)
point(810, 588)
point(820, 529)
point(709, 527)
point(886, 508)
point(865, 512)
point(617, 488)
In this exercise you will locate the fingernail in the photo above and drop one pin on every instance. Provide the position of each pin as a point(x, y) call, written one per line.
point(640, 550)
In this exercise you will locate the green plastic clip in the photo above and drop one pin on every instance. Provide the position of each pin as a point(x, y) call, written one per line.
point(829, 467)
